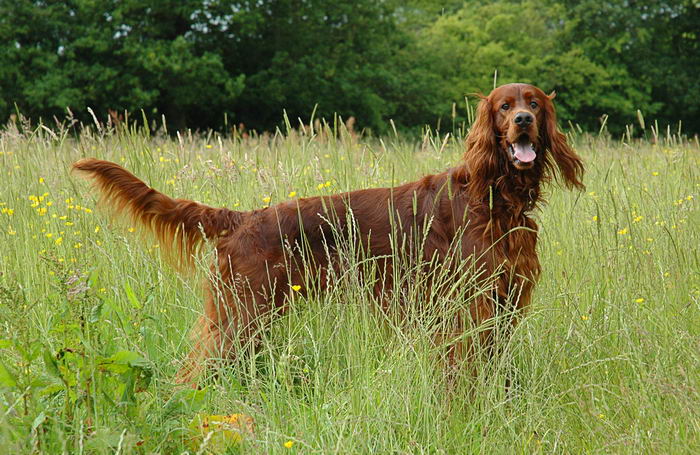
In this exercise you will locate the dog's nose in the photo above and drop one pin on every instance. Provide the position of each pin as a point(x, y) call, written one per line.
point(523, 119)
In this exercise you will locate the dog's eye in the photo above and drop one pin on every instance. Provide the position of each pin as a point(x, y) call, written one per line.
point(533, 105)
point(505, 106)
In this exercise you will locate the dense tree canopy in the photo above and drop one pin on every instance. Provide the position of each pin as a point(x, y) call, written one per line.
point(198, 62)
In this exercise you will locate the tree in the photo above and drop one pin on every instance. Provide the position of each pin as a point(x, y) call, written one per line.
point(527, 42)
point(298, 54)
point(196, 61)
point(123, 55)
point(655, 44)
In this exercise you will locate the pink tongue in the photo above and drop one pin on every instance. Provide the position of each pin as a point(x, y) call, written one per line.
point(524, 152)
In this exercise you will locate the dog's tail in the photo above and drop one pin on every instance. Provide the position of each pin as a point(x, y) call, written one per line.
point(180, 225)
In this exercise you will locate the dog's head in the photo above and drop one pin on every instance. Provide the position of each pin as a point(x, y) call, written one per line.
point(517, 124)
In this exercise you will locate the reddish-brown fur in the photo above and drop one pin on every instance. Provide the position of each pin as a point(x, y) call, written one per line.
point(485, 202)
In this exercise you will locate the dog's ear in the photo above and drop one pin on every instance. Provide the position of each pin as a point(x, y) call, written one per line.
point(569, 163)
point(481, 156)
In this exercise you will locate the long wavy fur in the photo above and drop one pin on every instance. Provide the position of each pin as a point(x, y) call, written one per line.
point(569, 164)
point(179, 225)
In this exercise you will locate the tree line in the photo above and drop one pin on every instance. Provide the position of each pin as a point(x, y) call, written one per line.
point(206, 63)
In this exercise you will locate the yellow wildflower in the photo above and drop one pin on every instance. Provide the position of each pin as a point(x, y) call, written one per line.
point(296, 288)
point(289, 444)
point(266, 199)
point(292, 194)
point(622, 231)
point(639, 300)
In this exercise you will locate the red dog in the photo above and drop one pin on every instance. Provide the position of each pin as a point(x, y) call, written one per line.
point(478, 209)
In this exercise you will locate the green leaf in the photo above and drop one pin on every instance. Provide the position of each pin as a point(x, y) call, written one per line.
point(51, 365)
point(184, 401)
point(7, 379)
point(96, 312)
point(131, 296)
point(93, 279)
point(51, 389)
point(38, 420)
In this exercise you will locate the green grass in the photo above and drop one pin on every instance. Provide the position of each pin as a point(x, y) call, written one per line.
point(93, 323)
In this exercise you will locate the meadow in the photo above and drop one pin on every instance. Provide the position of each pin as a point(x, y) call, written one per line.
point(94, 322)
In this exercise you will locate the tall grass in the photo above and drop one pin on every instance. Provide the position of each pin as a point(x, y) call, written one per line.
point(93, 324)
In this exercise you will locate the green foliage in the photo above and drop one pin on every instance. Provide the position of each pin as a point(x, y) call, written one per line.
point(94, 326)
point(129, 55)
point(533, 42)
point(203, 63)
point(652, 46)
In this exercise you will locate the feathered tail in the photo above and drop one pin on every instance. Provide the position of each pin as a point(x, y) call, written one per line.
point(180, 225)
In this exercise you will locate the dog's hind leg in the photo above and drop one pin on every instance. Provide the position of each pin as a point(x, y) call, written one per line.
point(224, 329)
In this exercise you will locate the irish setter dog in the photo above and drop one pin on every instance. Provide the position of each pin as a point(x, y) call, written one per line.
point(479, 210)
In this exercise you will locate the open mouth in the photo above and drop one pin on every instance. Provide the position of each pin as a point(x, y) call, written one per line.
point(523, 152)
